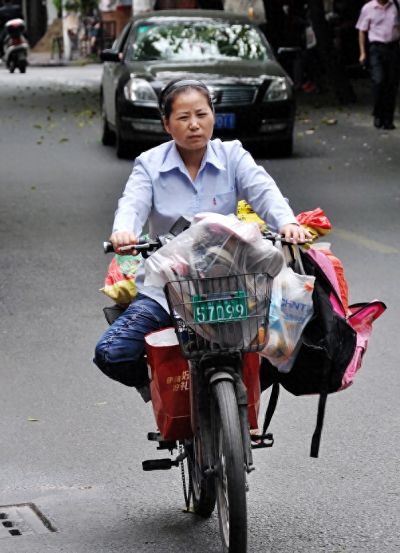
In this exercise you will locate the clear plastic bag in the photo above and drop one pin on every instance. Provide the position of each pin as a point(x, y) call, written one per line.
point(218, 258)
point(213, 246)
point(291, 309)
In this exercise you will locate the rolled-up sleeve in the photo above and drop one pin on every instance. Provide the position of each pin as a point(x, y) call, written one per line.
point(363, 22)
point(135, 204)
point(259, 189)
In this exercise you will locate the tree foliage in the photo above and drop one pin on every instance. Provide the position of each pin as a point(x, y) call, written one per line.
point(85, 7)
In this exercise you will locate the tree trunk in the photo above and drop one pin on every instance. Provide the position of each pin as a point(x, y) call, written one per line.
point(336, 77)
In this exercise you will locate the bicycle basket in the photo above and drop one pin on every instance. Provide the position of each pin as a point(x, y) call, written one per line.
point(220, 314)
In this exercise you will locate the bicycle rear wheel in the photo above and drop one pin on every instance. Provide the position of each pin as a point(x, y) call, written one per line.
point(230, 478)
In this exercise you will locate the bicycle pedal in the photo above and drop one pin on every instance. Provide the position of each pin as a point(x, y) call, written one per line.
point(162, 444)
point(261, 441)
point(158, 464)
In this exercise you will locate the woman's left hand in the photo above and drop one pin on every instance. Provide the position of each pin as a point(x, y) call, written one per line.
point(295, 233)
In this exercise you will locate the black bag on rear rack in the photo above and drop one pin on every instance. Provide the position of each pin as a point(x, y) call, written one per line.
point(332, 344)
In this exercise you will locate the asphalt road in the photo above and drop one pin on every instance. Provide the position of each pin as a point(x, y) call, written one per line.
point(72, 441)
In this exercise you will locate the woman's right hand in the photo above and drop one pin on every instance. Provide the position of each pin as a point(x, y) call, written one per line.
point(121, 240)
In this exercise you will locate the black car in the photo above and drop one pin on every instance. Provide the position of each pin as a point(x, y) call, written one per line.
point(252, 94)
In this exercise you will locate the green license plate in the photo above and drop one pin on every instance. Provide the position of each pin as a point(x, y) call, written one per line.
point(218, 308)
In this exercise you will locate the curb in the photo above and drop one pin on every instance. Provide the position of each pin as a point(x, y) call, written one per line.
point(45, 60)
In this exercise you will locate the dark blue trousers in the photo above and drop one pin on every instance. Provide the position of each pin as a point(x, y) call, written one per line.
point(119, 352)
point(384, 62)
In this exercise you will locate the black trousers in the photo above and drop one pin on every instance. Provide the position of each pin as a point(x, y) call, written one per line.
point(384, 62)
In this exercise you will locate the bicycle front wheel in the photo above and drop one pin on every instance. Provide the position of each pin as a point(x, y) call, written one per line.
point(230, 477)
point(202, 487)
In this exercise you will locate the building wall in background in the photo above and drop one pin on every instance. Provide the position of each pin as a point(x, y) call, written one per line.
point(117, 11)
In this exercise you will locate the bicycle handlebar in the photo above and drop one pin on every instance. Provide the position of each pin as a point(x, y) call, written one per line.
point(145, 247)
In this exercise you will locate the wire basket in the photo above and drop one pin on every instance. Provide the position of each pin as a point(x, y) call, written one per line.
point(220, 314)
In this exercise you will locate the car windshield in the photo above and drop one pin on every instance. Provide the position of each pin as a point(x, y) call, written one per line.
point(196, 41)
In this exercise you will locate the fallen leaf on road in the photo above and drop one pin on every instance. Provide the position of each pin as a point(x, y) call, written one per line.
point(87, 113)
point(330, 121)
point(32, 419)
point(310, 131)
point(63, 140)
point(101, 403)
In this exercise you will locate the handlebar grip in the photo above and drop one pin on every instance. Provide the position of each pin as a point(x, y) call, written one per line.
point(108, 247)
point(143, 246)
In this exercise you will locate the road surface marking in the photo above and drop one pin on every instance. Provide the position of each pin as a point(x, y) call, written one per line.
point(364, 241)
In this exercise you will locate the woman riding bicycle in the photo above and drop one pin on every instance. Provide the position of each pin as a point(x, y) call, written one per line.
point(188, 175)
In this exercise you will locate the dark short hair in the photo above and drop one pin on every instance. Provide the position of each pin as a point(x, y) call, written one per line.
point(176, 87)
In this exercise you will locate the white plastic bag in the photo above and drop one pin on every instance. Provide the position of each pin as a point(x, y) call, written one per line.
point(214, 245)
point(217, 257)
point(290, 311)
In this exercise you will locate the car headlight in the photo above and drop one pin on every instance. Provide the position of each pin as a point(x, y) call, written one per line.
point(278, 90)
point(140, 92)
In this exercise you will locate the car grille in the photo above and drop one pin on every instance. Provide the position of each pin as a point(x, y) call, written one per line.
point(234, 95)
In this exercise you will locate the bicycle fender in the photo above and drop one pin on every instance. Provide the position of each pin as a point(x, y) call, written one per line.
point(221, 375)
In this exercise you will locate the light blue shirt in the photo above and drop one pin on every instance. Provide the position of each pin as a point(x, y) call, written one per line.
point(160, 190)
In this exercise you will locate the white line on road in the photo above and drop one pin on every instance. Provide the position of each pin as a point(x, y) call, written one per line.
point(364, 241)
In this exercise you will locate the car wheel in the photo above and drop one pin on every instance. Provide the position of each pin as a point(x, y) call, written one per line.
point(284, 148)
point(107, 135)
point(124, 148)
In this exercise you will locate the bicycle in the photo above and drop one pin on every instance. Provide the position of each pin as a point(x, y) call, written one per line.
point(217, 320)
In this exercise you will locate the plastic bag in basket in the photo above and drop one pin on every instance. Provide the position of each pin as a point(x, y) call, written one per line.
point(214, 245)
point(219, 265)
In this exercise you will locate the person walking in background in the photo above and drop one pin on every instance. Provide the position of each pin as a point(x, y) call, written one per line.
point(95, 37)
point(379, 21)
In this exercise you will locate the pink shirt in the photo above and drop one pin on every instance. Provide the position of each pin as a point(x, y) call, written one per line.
point(381, 22)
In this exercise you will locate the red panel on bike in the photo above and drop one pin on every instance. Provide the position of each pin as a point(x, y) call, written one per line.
point(251, 379)
point(169, 384)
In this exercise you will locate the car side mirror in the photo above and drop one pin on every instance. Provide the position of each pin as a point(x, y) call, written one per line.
point(110, 55)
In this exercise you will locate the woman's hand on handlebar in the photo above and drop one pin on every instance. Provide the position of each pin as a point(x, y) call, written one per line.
point(295, 233)
point(123, 242)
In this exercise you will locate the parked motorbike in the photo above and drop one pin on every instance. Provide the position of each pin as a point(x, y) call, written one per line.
point(15, 46)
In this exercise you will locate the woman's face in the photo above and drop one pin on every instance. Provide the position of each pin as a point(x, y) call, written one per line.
point(191, 122)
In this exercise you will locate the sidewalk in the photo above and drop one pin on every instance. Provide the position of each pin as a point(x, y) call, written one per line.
point(46, 59)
